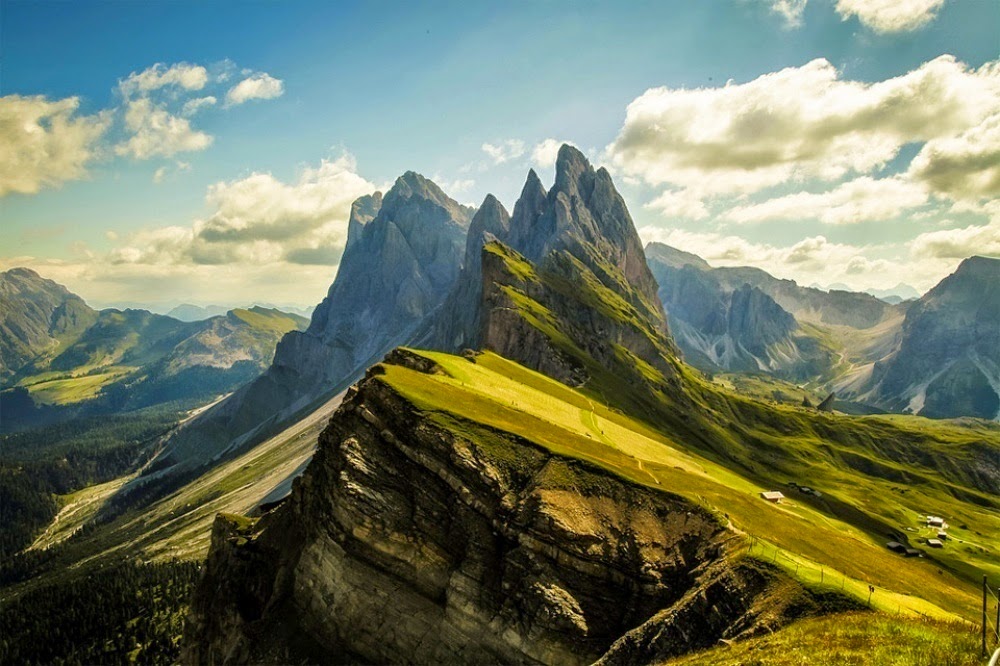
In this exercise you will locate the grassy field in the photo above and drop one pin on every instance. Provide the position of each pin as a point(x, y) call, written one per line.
point(61, 389)
point(864, 639)
point(839, 536)
point(75, 510)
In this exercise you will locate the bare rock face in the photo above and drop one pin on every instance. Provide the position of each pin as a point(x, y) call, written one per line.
point(402, 257)
point(408, 542)
point(457, 324)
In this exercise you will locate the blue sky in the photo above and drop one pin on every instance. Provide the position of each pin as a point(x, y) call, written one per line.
point(465, 93)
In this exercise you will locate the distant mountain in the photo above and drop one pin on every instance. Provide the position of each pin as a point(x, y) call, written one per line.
point(745, 320)
point(403, 254)
point(188, 312)
point(62, 359)
point(948, 359)
point(37, 317)
point(901, 292)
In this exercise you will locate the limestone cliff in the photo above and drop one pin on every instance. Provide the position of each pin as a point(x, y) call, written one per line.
point(419, 540)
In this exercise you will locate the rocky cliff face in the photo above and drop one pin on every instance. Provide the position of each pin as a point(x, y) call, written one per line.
point(408, 540)
point(403, 254)
point(948, 360)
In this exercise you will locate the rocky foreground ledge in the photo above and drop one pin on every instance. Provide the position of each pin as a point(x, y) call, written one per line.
point(412, 539)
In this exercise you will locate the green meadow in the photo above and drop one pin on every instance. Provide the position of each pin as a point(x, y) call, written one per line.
point(837, 540)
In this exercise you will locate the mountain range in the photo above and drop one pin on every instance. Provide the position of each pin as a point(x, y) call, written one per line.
point(541, 497)
point(935, 356)
point(529, 451)
point(61, 359)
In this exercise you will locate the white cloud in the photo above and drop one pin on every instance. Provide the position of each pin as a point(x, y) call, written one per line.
point(263, 240)
point(863, 199)
point(155, 131)
point(260, 220)
point(890, 15)
point(44, 143)
point(182, 75)
point(796, 124)
point(966, 166)
point(960, 243)
point(679, 203)
point(544, 154)
point(162, 172)
point(256, 86)
point(504, 151)
point(789, 10)
point(454, 187)
point(193, 106)
point(811, 260)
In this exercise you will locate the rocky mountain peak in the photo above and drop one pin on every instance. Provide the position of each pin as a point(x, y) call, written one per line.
point(490, 221)
point(574, 174)
point(411, 187)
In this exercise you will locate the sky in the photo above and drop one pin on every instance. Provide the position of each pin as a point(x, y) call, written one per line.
point(208, 152)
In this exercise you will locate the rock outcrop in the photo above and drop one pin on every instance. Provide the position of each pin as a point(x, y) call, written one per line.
point(408, 540)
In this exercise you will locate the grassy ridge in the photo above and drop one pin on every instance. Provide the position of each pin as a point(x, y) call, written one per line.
point(855, 638)
point(831, 531)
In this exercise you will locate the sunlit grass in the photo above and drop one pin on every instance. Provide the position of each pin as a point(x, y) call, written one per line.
point(864, 639)
point(504, 395)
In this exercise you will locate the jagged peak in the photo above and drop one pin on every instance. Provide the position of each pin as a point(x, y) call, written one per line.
point(412, 184)
point(573, 170)
point(490, 204)
point(490, 221)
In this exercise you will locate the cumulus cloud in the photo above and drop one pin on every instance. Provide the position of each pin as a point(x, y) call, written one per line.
point(44, 143)
point(193, 106)
point(863, 199)
point(886, 16)
point(256, 86)
point(679, 203)
point(544, 154)
point(159, 101)
point(181, 75)
point(260, 220)
point(796, 124)
point(504, 151)
point(959, 243)
point(157, 132)
point(811, 260)
point(789, 10)
point(966, 166)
